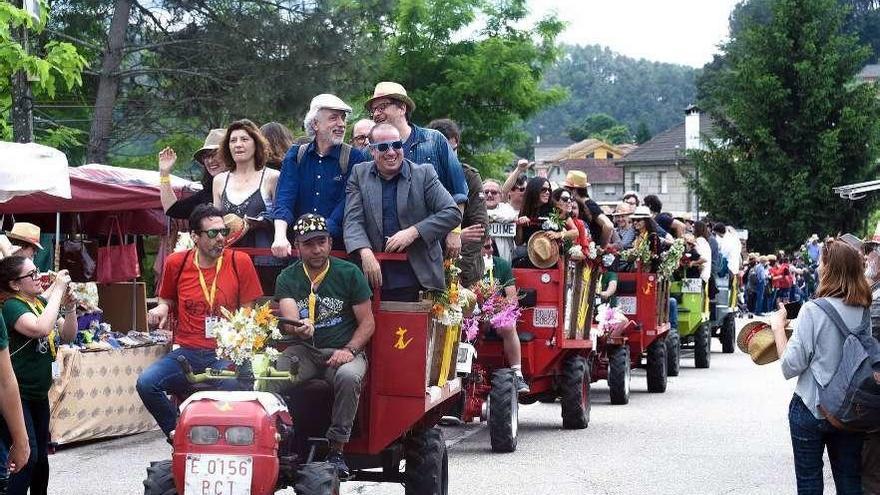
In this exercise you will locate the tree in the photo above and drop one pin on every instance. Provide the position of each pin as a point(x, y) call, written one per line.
point(488, 82)
point(791, 125)
point(54, 65)
point(603, 127)
point(643, 134)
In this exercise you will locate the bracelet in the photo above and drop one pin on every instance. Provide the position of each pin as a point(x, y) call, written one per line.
point(164, 179)
point(457, 230)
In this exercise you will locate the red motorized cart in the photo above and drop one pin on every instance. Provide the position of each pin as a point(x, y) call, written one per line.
point(256, 445)
point(555, 340)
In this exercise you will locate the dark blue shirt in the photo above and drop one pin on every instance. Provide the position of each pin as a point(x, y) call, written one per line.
point(317, 185)
point(430, 146)
point(395, 275)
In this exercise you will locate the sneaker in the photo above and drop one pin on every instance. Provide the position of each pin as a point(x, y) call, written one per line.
point(338, 461)
point(521, 386)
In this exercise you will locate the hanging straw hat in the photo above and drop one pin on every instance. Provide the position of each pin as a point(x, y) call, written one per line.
point(212, 143)
point(542, 250)
point(576, 179)
point(237, 228)
point(394, 91)
point(26, 232)
point(756, 340)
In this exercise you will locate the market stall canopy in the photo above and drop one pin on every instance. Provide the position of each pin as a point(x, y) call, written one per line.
point(18, 163)
point(100, 189)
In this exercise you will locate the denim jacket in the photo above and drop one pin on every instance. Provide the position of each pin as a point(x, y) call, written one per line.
point(430, 146)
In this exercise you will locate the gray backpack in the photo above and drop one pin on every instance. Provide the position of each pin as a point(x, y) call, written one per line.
point(851, 400)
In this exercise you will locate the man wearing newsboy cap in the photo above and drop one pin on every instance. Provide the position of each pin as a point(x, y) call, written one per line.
point(313, 175)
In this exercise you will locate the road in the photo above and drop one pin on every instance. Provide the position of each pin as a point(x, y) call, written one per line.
point(717, 431)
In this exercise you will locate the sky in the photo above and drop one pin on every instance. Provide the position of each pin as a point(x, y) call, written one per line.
point(683, 32)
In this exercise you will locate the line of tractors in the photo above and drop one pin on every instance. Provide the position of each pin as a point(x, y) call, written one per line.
point(256, 443)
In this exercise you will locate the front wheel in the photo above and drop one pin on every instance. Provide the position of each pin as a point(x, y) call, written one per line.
point(317, 478)
point(159, 480)
point(702, 346)
point(657, 367)
point(503, 411)
point(728, 334)
point(619, 374)
point(427, 463)
point(575, 393)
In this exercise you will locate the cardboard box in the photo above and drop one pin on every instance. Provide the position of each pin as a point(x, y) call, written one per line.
point(115, 300)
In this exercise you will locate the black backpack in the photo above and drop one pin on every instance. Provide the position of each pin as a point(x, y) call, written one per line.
point(851, 400)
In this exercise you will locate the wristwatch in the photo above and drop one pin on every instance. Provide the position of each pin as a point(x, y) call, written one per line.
point(354, 352)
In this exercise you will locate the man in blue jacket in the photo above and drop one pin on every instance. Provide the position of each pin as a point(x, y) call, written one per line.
point(313, 175)
point(391, 105)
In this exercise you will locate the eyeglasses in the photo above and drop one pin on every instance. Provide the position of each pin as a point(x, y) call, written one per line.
point(491, 193)
point(361, 139)
point(212, 233)
point(380, 107)
point(33, 275)
point(383, 146)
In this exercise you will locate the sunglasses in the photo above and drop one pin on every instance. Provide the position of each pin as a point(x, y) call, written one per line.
point(546, 189)
point(213, 233)
point(565, 199)
point(520, 188)
point(491, 193)
point(33, 275)
point(383, 146)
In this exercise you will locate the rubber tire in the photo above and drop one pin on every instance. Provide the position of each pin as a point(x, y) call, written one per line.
point(547, 399)
point(656, 367)
point(702, 347)
point(673, 353)
point(619, 374)
point(503, 411)
point(575, 393)
point(728, 334)
point(317, 478)
point(427, 463)
point(159, 480)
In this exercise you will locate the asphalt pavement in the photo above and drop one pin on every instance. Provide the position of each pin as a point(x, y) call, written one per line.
point(721, 430)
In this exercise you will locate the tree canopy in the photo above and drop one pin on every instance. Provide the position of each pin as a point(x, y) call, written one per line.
point(792, 124)
point(603, 127)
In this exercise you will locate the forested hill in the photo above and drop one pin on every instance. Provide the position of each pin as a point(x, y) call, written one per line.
point(632, 91)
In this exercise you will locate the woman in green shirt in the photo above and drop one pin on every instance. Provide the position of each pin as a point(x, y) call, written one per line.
point(31, 320)
point(10, 406)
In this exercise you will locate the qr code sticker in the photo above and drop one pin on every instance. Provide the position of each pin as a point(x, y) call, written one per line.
point(545, 317)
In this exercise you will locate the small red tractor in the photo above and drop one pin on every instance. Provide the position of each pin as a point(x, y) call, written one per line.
point(644, 299)
point(554, 334)
point(256, 443)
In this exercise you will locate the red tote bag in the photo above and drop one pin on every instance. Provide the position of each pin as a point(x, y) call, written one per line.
point(117, 263)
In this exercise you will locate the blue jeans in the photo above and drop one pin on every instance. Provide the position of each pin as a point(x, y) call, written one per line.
point(673, 314)
point(809, 438)
point(165, 377)
point(759, 298)
point(35, 475)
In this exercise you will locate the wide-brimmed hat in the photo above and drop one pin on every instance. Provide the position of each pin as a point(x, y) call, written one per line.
point(329, 102)
point(212, 143)
point(641, 212)
point(26, 232)
point(576, 179)
point(237, 226)
point(756, 339)
point(542, 250)
point(771, 257)
point(393, 90)
point(623, 209)
point(309, 226)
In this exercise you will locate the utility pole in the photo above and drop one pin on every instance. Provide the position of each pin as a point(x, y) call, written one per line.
point(22, 98)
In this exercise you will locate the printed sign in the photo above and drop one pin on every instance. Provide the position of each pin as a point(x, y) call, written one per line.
point(545, 318)
point(692, 285)
point(627, 304)
point(218, 474)
point(502, 229)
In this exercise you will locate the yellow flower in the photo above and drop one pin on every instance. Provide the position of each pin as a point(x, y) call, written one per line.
point(263, 316)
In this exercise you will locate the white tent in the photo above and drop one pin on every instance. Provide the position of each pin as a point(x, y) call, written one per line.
point(29, 168)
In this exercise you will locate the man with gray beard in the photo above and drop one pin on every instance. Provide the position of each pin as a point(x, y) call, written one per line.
point(313, 175)
point(871, 448)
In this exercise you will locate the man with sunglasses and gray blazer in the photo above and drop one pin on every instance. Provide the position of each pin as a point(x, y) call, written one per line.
point(394, 205)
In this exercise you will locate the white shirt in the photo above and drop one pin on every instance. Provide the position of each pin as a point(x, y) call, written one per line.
point(705, 252)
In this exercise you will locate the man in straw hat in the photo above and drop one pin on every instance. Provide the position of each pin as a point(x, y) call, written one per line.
point(395, 205)
point(208, 158)
point(576, 183)
point(391, 105)
point(623, 225)
point(313, 175)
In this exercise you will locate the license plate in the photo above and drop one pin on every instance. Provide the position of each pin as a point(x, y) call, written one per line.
point(545, 318)
point(502, 230)
point(210, 474)
point(626, 305)
point(692, 285)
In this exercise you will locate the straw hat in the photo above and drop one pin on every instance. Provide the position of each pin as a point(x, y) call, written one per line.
point(623, 210)
point(393, 90)
point(771, 258)
point(576, 179)
point(26, 232)
point(212, 143)
point(756, 340)
point(641, 212)
point(542, 250)
point(237, 228)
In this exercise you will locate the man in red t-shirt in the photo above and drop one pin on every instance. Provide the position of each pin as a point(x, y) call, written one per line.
point(195, 285)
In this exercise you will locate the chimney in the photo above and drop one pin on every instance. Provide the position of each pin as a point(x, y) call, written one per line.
point(692, 128)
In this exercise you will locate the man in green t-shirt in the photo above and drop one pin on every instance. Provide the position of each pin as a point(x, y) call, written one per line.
point(499, 269)
point(330, 300)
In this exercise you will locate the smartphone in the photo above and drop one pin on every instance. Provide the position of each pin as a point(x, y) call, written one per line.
point(288, 321)
point(792, 309)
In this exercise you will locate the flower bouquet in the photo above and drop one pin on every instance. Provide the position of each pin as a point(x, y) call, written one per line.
point(242, 335)
point(492, 307)
point(610, 319)
point(447, 308)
